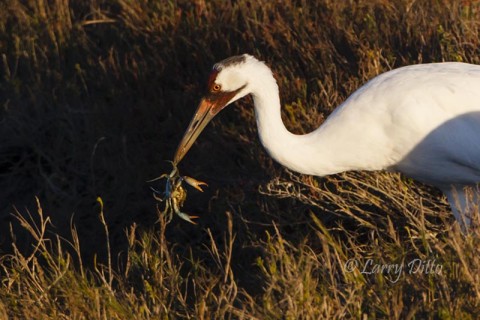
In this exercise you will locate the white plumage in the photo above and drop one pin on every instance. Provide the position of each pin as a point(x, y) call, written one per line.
point(421, 120)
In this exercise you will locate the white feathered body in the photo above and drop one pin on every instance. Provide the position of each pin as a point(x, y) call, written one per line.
point(422, 120)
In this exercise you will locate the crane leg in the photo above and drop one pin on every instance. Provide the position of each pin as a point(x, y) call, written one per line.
point(464, 202)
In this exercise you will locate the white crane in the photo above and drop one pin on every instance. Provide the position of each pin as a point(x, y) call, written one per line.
point(422, 120)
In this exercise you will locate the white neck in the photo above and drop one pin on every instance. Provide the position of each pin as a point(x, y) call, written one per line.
point(296, 152)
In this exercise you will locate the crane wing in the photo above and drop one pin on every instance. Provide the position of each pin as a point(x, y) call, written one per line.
point(450, 154)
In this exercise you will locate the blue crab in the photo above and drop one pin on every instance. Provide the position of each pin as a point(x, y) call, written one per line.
point(175, 194)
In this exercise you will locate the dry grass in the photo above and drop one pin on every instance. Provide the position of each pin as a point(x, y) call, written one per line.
point(95, 96)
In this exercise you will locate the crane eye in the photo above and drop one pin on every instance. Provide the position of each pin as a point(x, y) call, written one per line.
point(216, 88)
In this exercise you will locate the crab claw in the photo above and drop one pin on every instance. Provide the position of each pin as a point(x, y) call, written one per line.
point(194, 183)
point(186, 217)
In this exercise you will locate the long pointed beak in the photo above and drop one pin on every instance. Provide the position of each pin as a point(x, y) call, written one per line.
point(206, 110)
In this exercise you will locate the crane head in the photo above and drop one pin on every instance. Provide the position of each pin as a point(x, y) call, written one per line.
point(226, 84)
